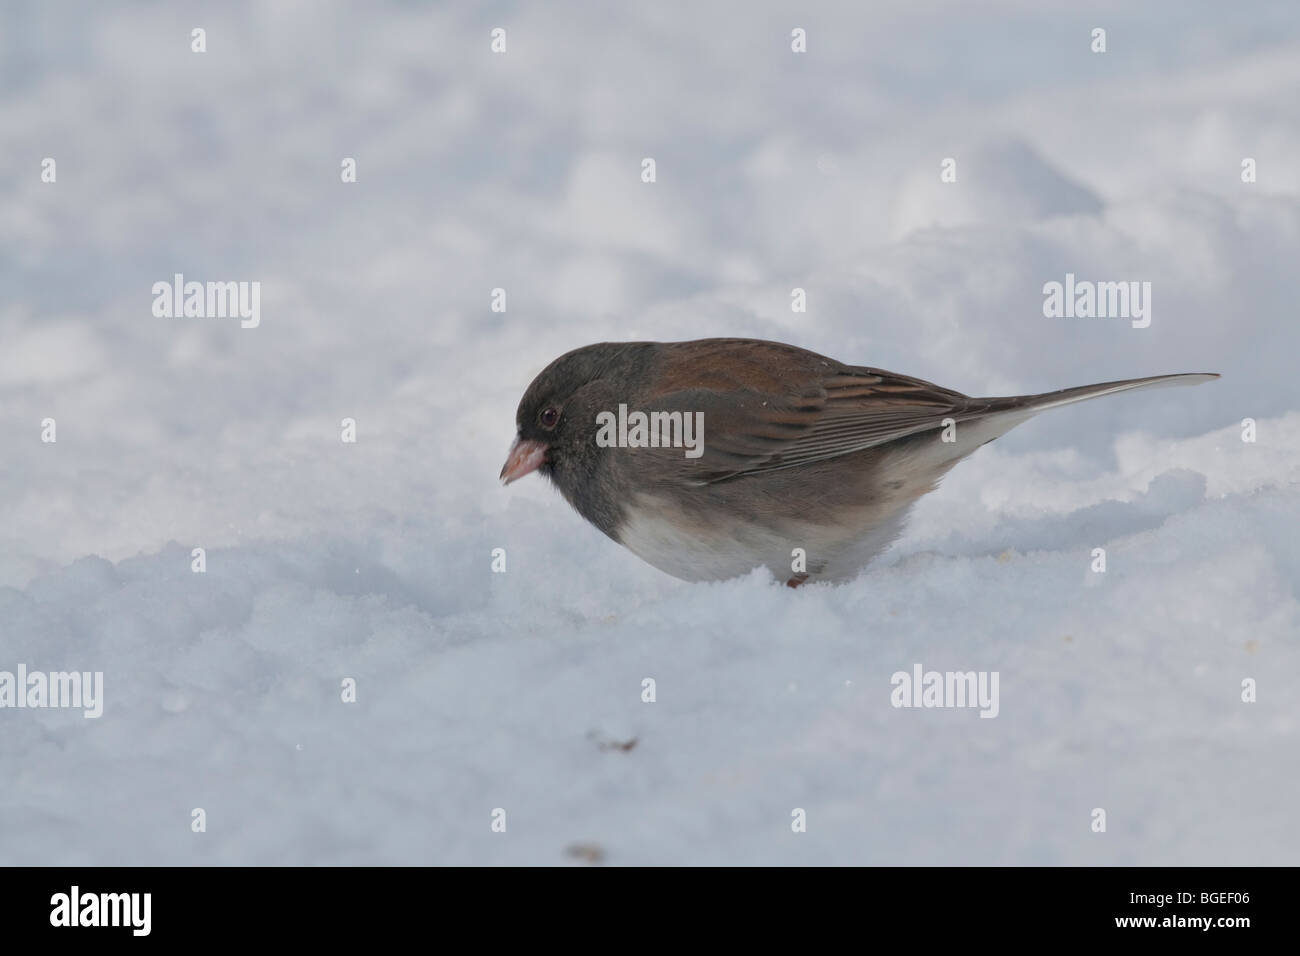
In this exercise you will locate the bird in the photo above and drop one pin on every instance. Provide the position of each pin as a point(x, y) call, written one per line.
point(710, 458)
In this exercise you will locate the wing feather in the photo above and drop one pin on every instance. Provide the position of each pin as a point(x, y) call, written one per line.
point(769, 406)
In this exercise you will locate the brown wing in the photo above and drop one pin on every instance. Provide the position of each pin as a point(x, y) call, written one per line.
point(768, 406)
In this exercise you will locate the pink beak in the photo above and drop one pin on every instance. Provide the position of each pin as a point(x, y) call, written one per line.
point(525, 457)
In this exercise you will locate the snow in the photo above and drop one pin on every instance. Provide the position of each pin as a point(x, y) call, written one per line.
point(522, 690)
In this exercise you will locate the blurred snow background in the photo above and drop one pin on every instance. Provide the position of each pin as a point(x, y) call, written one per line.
point(479, 690)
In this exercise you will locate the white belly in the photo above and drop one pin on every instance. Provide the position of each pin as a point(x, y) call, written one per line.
point(728, 551)
point(658, 532)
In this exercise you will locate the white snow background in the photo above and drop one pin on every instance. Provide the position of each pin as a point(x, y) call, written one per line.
point(372, 560)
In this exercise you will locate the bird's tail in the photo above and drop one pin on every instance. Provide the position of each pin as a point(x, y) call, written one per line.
point(1081, 393)
point(984, 419)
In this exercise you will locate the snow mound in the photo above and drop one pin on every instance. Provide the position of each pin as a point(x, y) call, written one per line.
point(996, 183)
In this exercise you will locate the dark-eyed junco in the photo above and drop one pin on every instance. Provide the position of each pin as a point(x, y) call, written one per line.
point(713, 457)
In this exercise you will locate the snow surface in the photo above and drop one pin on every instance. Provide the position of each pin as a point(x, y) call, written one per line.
point(522, 690)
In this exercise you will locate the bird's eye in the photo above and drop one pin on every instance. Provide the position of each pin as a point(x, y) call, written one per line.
point(549, 417)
